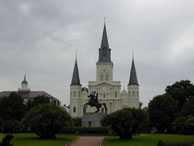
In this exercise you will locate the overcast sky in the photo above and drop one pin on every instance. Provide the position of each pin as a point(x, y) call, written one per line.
point(40, 37)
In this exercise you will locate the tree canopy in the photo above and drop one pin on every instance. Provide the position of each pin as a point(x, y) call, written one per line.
point(124, 122)
point(12, 110)
point(46, 120)
point(162, 110)
point(181, 91)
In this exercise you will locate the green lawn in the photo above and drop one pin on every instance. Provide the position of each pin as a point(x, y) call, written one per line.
point(146, 140)
point(32, 140)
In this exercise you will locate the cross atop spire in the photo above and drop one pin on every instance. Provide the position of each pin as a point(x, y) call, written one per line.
point(104, 42)
point(133, 75)
point(75, 78)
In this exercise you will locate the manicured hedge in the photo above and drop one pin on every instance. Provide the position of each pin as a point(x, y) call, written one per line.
point(86, 131)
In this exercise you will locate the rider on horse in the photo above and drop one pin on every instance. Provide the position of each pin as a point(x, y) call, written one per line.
point(93, 102)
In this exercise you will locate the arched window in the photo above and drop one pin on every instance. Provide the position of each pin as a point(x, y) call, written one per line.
point(79, 94)
point(74, 109)
point(133, 93)
point(115, 93)
point(74, 93)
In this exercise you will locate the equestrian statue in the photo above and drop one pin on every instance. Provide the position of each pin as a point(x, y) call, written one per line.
point(93, 102)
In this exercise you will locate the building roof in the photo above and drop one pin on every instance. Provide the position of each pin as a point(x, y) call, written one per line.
point(75, 78)
point(133, 75)
point(28, 94)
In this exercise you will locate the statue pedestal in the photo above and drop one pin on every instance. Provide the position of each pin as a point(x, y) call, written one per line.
point(92, 119)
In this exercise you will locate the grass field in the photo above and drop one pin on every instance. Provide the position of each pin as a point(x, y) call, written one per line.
point(146, 140)
point(32, 140)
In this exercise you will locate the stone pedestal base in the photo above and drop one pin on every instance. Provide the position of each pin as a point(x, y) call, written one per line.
point(92, 119)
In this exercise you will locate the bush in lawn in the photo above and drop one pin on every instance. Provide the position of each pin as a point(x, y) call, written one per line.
point(189, 125)
point(76, 122)
point(184, 125)
point(124, 122)
point(87, 130)
point(46, 120)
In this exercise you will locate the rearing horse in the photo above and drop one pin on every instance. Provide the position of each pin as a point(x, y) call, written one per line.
point(93, 102)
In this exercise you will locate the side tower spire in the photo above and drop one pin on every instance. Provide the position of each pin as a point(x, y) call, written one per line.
point(75, 93)
point(133, 87)
point(133, 75)
point(75, 78)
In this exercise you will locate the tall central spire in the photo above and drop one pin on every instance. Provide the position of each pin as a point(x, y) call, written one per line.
point(104, 43)
point(104, 50)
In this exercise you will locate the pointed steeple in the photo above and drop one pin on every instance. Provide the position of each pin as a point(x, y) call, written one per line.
point(75, 78)
point(25, 81)
point(133, 76)
point(104, 42)
point(104, 50)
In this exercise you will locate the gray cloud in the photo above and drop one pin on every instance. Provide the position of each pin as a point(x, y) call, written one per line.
point(41, 37)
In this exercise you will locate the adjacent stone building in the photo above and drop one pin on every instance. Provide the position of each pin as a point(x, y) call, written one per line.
point(109, 91)
point(25, 92)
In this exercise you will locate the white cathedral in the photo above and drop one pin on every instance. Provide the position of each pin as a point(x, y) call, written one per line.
point(109, 91)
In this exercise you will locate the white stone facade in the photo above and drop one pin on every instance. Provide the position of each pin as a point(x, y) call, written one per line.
point(109, 91)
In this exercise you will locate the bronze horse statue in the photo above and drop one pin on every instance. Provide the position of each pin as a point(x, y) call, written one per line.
point(93, 102)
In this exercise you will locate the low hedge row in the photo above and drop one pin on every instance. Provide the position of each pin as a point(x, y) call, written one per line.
point(86, 131)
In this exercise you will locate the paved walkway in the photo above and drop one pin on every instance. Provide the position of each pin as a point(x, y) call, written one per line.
point(88, 141)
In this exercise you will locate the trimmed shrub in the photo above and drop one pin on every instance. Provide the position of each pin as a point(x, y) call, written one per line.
point(46, 120)
point(124, 122)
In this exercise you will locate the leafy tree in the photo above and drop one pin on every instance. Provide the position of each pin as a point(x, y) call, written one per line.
point(37, 101)
point(181, 91)
point(12, 110)
point(143, 116)
point(184, 125)
point(179, 124)
point(188, 108)
point(124, 122)
point(12, 107)
point(162, 111)
point(46, 120)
